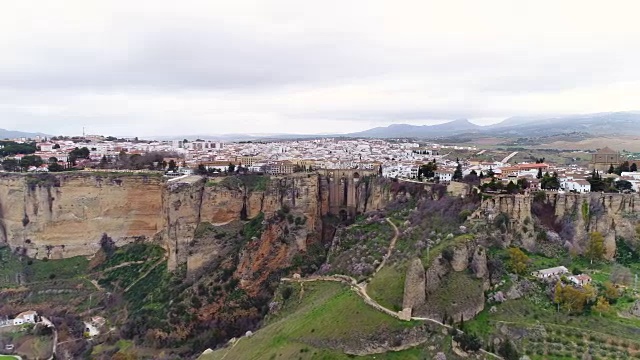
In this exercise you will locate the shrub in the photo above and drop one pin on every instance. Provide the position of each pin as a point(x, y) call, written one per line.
point(539, 196)
point(107, 244)
point(286, 293)
point(468, 341)
point(447, 254)
point(508, 351)
point(464, 214)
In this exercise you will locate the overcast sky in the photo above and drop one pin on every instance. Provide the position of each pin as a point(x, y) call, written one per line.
point(209, 67)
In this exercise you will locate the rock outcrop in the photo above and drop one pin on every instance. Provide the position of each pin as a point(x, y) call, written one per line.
point(451, 291)
point(414, 285)
point(635, 309)
point(613, 215)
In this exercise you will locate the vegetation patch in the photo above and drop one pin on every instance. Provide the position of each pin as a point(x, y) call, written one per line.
point(387, 286)
point(360, 248)
point(311, 324)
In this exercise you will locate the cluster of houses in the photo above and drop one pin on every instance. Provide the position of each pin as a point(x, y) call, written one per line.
point(557, 272)
point(396, 159)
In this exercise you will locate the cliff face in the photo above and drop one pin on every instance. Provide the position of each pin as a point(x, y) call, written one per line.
point(65, 215)
point(191, 202)
point(573, 216)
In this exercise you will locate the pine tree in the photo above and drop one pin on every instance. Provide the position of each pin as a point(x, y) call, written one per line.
point(457, 175)
point(611, 169)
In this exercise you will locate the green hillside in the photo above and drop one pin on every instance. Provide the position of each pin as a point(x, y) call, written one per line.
point(319, 324)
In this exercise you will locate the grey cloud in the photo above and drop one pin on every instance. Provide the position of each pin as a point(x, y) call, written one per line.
point(293, 66)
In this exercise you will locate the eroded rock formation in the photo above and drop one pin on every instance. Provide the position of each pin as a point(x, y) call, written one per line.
point(414, 285)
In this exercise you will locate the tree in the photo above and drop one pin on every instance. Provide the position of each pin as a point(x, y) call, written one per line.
point(80, 153)
point(428, 169)
point(597, 184)
point(518, 260)
point(624, 167)
point(232, 168)
point(595, 247)
point(633, 167)
point(172, 165)
point(471, 178)
point(602, 305)
point(457, 174)
point(107, 244)
point(10, 165)
point(201, 170)
point(30, 160)
point(523, 183)
point(56, 146)
point(508, 351)
point(573, 299)
point(491, 173)
point(103, 161)
point(55, 167)
point(550, 182)
point(611, 169)
point(623, 185)
point(512, 188)
point(468, 342)
point(610, 291)
point(621, 275)
point(557, 294)
point(539, 175)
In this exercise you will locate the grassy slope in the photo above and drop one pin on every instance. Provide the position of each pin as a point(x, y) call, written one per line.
point(328, 311)
point(387, 286)
point(35, 270)
point(9, 266)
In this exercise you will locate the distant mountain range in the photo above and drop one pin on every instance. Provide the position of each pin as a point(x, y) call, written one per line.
point(599, 124)
point(618, 123)
point(10, 134)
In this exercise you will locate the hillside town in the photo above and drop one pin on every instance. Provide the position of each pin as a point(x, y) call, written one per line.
point(403, 159)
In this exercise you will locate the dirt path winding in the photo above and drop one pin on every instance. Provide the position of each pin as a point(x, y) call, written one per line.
point(361, 289)
point(392, 247)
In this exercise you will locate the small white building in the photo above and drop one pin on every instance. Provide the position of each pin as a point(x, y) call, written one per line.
point(444, 175)
point(579, 186)
point(550, 272)
point(27, 317)
point(580, 280)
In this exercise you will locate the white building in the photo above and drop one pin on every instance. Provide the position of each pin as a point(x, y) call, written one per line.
point(444, 175)
point(550, 272)
point(27, 317)
point(579, 186)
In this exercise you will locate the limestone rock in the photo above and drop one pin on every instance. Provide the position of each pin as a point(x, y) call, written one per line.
point(64, 215)
point(414, 285)
point(479, 262)
point(460, 260)
point(435, 273)
point(609, 246)
point(635, 309)
point(440, 356)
